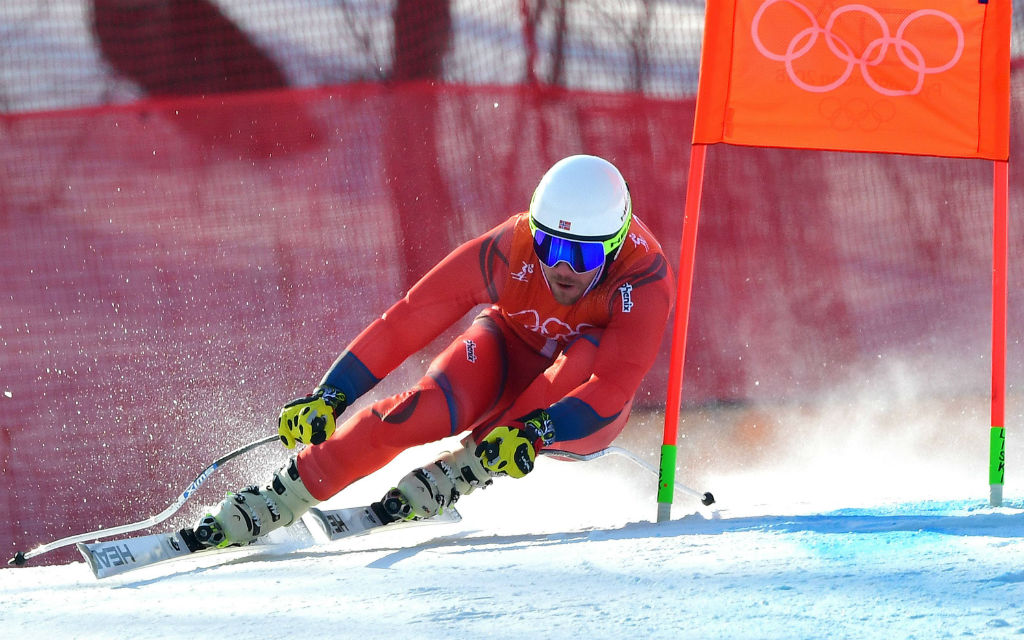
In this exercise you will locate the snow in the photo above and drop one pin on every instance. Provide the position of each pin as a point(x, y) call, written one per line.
point(784, 554)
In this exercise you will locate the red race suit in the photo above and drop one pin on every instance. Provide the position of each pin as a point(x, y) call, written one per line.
point(524, 351)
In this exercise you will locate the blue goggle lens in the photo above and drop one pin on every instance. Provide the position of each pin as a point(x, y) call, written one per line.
point(580, 256)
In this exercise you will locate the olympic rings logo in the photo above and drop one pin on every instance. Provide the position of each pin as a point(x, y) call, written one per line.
point(872, 55)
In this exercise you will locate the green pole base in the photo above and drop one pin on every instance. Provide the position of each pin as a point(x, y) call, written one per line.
point(666, 481)
point(996, 465)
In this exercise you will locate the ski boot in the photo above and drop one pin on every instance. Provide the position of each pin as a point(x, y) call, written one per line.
point(429, 490)
point(253, 512)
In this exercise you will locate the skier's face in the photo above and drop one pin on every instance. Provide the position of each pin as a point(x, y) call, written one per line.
point(567, 286)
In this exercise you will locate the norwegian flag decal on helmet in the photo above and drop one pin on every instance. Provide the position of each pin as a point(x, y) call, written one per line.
point(564, 225)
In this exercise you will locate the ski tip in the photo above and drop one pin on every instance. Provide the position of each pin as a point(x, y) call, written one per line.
point(89, 559)
point(18, 560)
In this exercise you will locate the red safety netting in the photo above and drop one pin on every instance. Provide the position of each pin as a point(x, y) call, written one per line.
point(177, 266)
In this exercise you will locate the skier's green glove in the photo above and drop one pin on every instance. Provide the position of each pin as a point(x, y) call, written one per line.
point(311, 420)
point(512, 450)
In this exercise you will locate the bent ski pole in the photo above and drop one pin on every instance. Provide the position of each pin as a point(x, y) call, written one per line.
point(705, 498)
point(22, 556)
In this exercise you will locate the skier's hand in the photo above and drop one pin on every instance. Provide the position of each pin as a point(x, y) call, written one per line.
point(512, 450)
point(311, 420)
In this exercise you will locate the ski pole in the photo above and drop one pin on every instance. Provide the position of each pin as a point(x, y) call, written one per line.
point(705, 498)
point(22, 556)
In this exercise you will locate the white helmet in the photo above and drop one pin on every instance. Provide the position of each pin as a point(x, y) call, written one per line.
point(583, 199)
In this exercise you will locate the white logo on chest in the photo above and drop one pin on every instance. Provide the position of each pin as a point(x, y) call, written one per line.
point(639, 241)
point(552, 328)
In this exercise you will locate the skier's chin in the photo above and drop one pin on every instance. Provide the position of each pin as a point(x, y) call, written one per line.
point(566, 294)
point(567, 286)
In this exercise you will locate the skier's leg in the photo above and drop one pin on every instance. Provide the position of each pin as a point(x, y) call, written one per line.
point(571, 368)
point(246, 515)
point(427, 491)
point(456, 390)
point(368, 440)
point(463, 383)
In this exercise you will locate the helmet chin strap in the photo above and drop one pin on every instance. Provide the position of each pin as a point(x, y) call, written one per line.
point(607, 260)
point(597, 278)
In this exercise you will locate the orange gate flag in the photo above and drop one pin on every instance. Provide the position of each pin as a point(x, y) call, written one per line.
point(921, 77)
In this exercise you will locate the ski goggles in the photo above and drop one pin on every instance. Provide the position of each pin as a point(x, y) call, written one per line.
point(579, 255)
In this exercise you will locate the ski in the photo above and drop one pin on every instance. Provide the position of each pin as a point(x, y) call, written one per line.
point(344, 523)
point(115, 557)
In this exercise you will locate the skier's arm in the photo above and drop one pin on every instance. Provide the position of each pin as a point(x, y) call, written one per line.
point(628, 347)
point(468, 276)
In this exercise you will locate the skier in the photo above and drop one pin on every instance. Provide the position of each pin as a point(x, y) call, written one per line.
point(578, 293)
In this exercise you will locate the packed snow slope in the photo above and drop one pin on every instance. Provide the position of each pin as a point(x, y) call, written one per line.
point(571, 551)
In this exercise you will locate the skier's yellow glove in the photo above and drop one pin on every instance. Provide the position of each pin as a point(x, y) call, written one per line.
point(512, 450)
point(311, 420)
